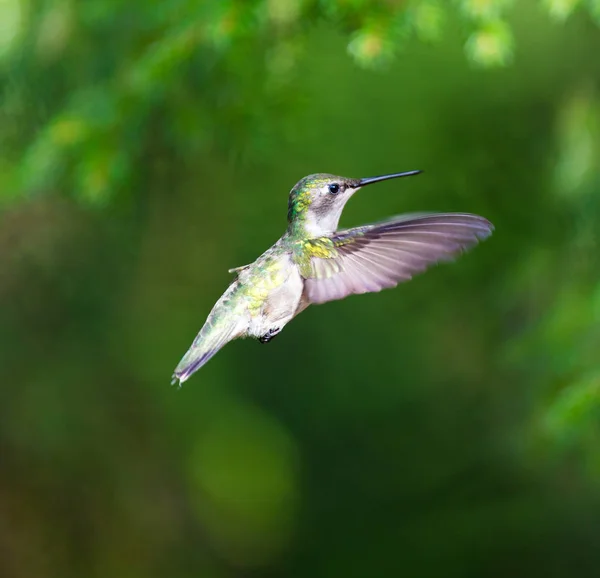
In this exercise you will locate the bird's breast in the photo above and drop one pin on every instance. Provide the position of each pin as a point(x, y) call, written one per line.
point(263, 280)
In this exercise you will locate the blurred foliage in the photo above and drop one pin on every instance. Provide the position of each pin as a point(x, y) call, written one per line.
point(449, 427)
point(157, 55)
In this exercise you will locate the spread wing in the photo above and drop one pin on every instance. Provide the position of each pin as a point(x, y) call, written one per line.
point(375, 257)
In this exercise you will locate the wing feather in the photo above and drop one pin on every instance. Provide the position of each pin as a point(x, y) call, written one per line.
point(375, 257)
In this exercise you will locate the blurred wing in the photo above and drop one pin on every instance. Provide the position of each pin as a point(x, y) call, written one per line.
point(375, 257)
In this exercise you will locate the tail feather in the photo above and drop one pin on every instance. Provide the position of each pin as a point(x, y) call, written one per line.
point(212, 337)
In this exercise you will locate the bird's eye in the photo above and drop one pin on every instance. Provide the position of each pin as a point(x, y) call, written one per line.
point(334, 188)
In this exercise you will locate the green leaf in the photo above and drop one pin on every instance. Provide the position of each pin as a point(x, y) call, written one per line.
point(427, 18)
point(594, 8)
point(575, 409)
point(12, 16)
point(371, 47)
point(561, 9)
point(484, 10)
point(491, 45)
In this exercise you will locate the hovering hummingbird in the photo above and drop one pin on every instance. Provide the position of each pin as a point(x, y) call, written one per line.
point(313, 263)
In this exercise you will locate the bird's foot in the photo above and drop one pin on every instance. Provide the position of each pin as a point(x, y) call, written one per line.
point(269, 335)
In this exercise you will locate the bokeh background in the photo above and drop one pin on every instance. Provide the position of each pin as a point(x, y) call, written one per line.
point(449, 427)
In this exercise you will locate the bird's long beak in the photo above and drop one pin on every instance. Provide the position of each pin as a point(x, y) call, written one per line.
point(371, 180)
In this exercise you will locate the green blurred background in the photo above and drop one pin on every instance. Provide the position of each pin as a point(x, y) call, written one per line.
point(449, 427)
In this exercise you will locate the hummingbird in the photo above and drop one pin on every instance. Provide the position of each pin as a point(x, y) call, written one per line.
point(313, 263)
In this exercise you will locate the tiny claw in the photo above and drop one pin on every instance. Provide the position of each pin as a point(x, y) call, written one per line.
point(269, 335)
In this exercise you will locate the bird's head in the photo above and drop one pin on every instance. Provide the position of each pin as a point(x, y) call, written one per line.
point(316, 202)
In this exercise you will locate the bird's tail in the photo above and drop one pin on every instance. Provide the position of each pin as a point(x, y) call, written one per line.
point(213, 336)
